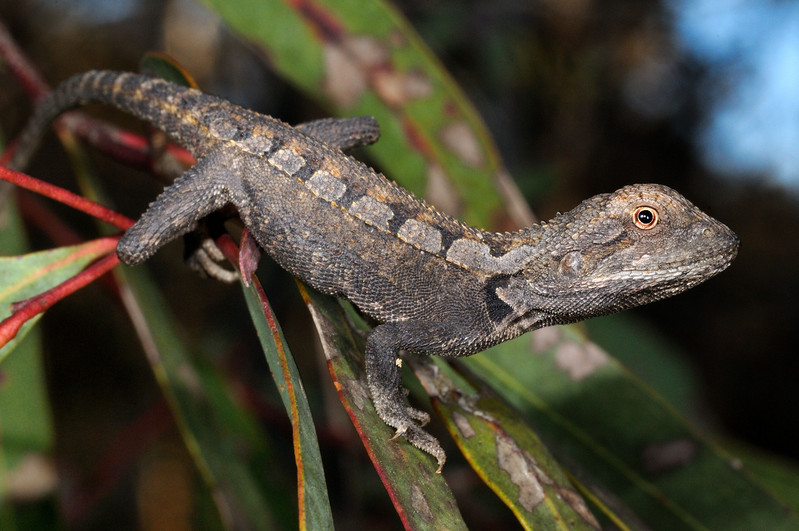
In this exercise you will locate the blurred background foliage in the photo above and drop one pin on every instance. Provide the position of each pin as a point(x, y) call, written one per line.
point(582, 97)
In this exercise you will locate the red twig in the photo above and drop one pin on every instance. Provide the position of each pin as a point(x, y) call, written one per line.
point(228, 248)
point(22, 68)
point(39, 216)
point(66, 197)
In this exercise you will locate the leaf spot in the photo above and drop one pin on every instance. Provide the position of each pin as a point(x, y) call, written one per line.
point(460, 139)
point(462, 423)
point(545, 339)
point(580, 361)
point(420, 505)
point(357, 391)
point(520, 466)
point(669, 455)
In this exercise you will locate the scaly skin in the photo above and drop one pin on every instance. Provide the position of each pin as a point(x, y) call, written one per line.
point(436, 285)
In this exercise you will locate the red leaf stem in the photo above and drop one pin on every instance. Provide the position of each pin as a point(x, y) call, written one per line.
point(18, 63)
point(27, 309)
point(66, 197)
point(124, 146)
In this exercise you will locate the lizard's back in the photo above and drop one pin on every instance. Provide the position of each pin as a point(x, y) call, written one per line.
point(324, 216)
point(347, 230)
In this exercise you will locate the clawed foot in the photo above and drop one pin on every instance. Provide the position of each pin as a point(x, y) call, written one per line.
point(404, 419)
point(422, 440)
point(385, 385)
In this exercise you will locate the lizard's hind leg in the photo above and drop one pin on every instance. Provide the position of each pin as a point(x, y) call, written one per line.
point(194, 195)
point(384, 379)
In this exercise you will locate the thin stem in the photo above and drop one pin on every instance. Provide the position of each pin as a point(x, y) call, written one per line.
point(66, 197)
point(29, 308)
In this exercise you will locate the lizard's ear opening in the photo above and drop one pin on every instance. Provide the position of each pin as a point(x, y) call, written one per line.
point(571, 265)
point(645, 217)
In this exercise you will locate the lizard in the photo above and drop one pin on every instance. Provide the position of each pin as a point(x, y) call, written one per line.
point(434, 284)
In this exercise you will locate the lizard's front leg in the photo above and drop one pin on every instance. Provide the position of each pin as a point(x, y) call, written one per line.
point(383, 376)
point(343, 133)
point(204, 256)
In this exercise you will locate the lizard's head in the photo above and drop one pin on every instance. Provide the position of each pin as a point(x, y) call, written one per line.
point(614, 251)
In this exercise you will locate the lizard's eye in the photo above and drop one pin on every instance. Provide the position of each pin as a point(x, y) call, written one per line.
point(645, 217)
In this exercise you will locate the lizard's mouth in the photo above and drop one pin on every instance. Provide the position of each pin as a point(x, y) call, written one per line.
point(644, 286)
point(704, 268)
point(691, 271)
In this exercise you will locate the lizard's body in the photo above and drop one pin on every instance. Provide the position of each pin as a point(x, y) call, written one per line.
point(439, 286)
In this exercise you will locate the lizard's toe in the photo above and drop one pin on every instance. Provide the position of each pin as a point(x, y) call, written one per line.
point(206, 260)
point(427, 443)
point(422, 417)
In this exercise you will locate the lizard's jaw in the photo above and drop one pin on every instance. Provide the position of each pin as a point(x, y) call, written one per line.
point(633, 280)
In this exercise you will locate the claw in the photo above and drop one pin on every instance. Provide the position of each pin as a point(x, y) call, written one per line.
point(427, 443)
point(399, 433)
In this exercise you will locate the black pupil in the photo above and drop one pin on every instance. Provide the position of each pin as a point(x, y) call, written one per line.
point(645, 217)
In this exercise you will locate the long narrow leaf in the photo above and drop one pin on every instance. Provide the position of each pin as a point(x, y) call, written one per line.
point(315, 512)
point(506, 453)
point(421, 497)
point(363, 58)
point(208, 419)
point(623, 434)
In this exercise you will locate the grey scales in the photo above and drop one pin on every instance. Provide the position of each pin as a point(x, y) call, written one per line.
point(436, 285)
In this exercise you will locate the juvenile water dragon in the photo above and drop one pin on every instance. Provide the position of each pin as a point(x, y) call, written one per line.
point(437, 285)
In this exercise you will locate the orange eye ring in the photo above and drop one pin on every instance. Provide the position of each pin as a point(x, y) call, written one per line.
point(645, 217)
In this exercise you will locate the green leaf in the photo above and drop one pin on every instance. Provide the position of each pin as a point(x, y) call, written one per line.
point(779, 475)
point(159, 64)
point(27, 471)
point(614, 429)
point(315, 512)
point(504, 451)
point(663, 366)
point(363, 58)
point(223, 439)
point(27, 275)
